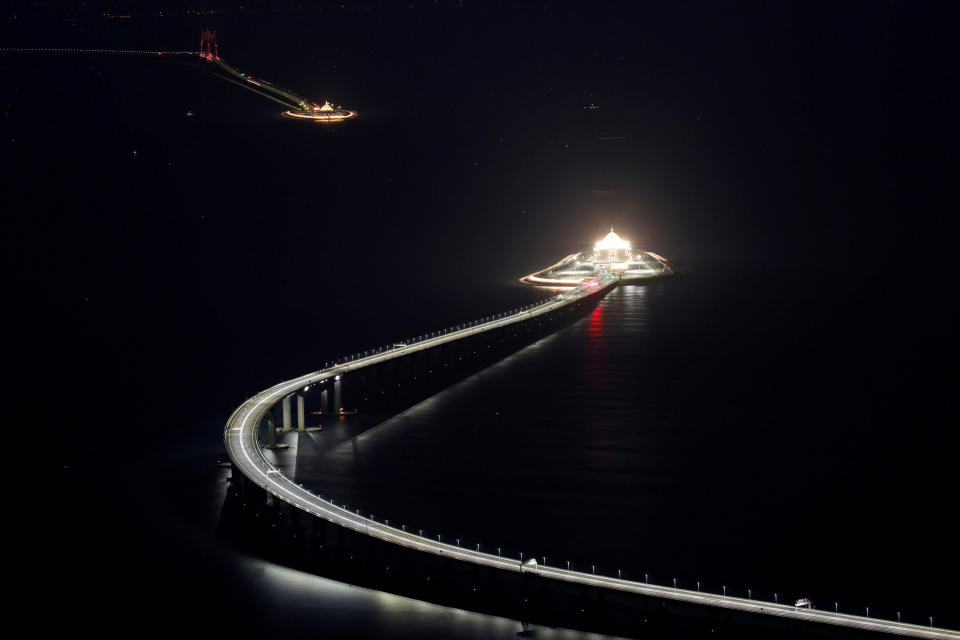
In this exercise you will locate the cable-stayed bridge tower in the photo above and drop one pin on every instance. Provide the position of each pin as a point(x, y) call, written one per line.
point(208, 45)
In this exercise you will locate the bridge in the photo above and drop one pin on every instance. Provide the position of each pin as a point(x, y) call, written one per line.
point(296, 105)
point(242, 441)
point(126, 52)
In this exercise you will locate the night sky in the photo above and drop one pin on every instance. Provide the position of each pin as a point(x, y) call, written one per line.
point(799, 149)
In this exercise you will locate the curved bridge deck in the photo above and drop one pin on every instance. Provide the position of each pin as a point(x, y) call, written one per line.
point(241, 438)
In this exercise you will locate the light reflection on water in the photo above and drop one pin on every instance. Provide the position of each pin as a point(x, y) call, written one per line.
point(330, 607)
point(231, 589)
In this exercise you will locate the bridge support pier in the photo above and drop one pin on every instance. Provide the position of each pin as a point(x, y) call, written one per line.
point(294, 521)
point(337, 403)
point(301, 418)
point(287, 422)
point(271, 431)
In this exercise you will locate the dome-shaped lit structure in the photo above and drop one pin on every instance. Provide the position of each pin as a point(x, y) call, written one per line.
point(612, 250)
point(612, 254)
point(320, 113)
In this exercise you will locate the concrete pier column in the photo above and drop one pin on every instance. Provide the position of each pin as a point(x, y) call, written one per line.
point(287, 422)
point(271, 430)
point(325, 400)
point(337, 403)
point(301, 417)
point(294, 521)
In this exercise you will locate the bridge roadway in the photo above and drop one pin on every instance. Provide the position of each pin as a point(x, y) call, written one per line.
point(292, 100)
point(134, 52)
point(243, 447)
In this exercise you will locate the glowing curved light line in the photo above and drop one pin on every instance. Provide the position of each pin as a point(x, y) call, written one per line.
point(320, 117)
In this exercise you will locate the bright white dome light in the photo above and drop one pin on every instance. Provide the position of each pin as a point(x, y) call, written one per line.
point(612, 241)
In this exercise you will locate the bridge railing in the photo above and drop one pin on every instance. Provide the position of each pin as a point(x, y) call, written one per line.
point(242, 432)
point(399, 344)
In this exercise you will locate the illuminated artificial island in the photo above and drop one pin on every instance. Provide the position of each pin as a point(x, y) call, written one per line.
point(325, 113)
point(611, 255)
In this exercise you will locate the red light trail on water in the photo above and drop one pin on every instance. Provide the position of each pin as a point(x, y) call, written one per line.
point(595, 322)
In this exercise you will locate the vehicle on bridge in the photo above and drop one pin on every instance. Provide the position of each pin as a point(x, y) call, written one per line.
point(803, 603)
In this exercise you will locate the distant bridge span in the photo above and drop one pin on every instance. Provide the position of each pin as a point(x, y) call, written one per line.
point(266, 89)
point(134, 52)
point(243, 447)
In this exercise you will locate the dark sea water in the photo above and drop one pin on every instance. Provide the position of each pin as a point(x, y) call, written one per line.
point(779, 417)
point(665, 434)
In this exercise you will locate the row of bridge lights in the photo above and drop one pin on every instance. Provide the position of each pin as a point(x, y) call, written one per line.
point(441, 332)
point(90, 50)
point(593, 567)
point(435, 334)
